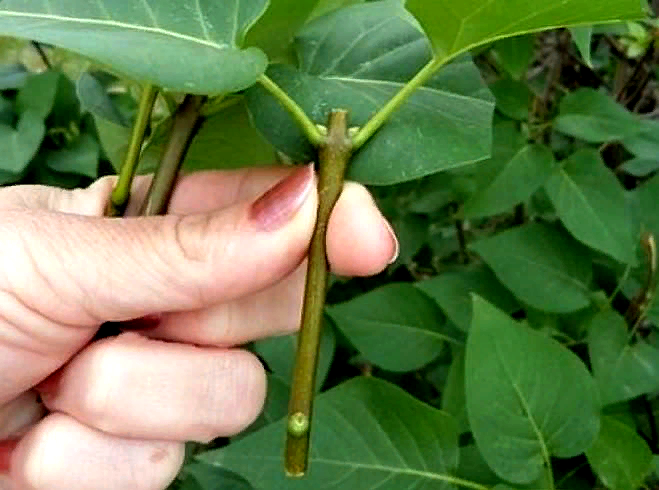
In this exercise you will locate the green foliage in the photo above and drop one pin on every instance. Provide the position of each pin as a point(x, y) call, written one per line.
point(514, 342)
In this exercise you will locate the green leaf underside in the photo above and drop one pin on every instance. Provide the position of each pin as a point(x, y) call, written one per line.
point(542, 265)
point(518, 180)
point(396, 327)
point(18, 146)
point(185, 45)
point(619, 457)
point(358, 58)
point(452, 292)
point(528, 397)
point(590, 202)
point(367, 433)
point(582, 37)
point(622, 370)
point(595, 117)
point(455, 27)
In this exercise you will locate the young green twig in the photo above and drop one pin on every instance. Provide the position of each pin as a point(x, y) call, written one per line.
point(186, 123)
point(121, 192)
point(333, 157)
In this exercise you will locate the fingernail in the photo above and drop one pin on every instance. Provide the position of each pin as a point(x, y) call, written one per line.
point(6, 449)
point(394, 240)
point(147, 322)
point(280, 203)
point(50, 385)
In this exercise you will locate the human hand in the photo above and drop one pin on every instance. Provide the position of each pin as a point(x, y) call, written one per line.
point(222, 269)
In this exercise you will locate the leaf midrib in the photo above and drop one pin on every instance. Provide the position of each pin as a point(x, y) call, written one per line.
point(117, 24)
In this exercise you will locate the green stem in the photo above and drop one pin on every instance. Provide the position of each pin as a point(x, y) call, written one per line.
point(121, 191)
point(310, 130)
point(383, 115)
point(333, 157)
point(186, 121)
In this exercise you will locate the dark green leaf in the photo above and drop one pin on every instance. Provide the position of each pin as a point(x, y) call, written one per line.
point(279, 354)
point(396, 327)
point(18, 146)
point(200, 476)
point(516, 182)
point(640, 167)
point(94, 98)
point(453, 395)
point(622, 370)
point(591, 204)
point(515, 54)
point(582, 37)
point(644, 144)
point(188, 46)
point(513, 98)
point(452, 292)
point(79, 158)
point(595, 117)
point(360, 66)
point(542, 265)
point(456, 27)
point(367, 433)
point(273, 32)
point(228, 140)
point(528, 397)
point(38, 94)
point(619, 457)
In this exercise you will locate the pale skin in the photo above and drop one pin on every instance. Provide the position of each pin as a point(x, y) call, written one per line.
point(218, 272)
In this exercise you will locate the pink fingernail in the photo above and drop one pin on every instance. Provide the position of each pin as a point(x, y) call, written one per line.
point(279, 204)
point(395, 243)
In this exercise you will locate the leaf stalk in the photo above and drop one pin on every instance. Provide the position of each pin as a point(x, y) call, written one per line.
point(383, 115)
point(310, 130)
point(333, 157)
point(121, 192)
point(184, 127)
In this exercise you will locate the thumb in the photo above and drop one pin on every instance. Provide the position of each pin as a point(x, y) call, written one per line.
point(64, 274)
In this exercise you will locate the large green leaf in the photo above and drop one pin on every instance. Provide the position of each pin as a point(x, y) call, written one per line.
point(367, 433)
point(455, 27)
point(595, 117)
point(542, 265)
point(184, 45)
point(516, 182)
point(18, 146)
point(528, 397)
point(452, 292)
point(396, 327)
point(622, 370)
point(358, 58)
point(591, 204)
point(644, 144)
point(619, 457)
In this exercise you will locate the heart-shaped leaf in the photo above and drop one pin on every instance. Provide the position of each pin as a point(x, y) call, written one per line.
point(396, 327)
point(359, 57)
point(185, 45)
point(591, 203)
point(18, 146)
point(542, 265)
point(455, 27)
point(595, 117)
point(528, 397)
point(452, 292)
point(619, 457)
point(367, 433)
point(525, 173)
point(622, 370)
